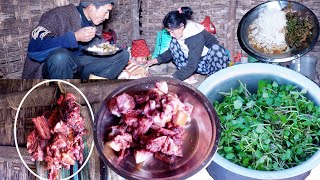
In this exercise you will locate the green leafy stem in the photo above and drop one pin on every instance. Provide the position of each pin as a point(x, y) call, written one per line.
point(276, 128)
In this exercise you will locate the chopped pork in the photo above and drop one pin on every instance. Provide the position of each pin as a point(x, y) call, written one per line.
point(57, 139)
point(152, 124)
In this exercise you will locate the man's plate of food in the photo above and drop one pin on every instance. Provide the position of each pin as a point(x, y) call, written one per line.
point(103, 49)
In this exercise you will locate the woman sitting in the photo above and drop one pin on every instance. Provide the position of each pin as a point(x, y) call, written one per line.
point(192, 49)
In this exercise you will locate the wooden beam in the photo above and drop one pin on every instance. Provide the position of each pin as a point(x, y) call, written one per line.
point(135, 19)
point(95, 92)
point(231, 27)
point(9, 153)
point(11, 164)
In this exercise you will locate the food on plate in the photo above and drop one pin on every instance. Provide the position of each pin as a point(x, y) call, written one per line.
point(151, 124)
point(276, 31)
point(277, 128)
point(57, 137)
point(104, 48)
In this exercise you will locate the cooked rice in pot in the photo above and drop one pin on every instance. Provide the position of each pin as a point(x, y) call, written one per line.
point(267, 32)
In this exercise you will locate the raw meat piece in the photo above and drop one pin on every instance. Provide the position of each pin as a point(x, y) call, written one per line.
point(144, 125)
point(142, 155)
point(140, 99)
point(156, 144)
point(131, 117)
point(162, 86)
point(114, 109)
point(120, 142)
point(60, 141)
point(170, 148)
point(54, 117)
point(42, 127)
point(181, 118)
point(125, 103)
point(32, 142)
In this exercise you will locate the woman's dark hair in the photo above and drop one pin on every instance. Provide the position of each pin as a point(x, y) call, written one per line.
point(174, 19)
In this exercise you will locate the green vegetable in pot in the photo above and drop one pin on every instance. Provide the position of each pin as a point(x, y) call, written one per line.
point(299, 29)
point(276, 128)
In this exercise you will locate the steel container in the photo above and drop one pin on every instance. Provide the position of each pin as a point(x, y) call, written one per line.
point(250, 74)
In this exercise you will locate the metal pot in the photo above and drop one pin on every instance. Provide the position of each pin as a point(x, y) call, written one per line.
point(250, 16)
point(250, 74)
point(201, 137)
point(306, 65)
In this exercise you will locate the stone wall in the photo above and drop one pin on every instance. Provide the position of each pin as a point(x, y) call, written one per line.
point(120, 21)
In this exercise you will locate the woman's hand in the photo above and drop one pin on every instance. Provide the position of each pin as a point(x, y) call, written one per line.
point(152, 62)
point(85, 34)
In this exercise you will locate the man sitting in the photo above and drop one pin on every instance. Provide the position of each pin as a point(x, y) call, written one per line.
point(56, 45)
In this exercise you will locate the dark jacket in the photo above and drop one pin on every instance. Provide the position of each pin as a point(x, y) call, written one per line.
point(55, 30)
point(195, 38)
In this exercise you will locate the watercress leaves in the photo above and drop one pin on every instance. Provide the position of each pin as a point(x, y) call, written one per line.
point(276, 128)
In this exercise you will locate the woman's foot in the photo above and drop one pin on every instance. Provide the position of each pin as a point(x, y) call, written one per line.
point(193, 79)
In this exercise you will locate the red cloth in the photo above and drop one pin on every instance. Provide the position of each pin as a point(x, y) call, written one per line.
point(110, 36)
point(208, 25)
point(139, 48)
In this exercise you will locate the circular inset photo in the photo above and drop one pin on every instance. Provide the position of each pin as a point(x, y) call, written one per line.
point(56, 139)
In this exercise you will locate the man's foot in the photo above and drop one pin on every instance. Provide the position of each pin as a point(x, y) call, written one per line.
point(193, 79)
point(92, 76)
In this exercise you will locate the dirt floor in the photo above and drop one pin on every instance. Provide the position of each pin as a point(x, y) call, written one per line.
point(169, 69)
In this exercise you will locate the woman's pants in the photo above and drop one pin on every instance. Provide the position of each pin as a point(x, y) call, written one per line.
point(215, 60)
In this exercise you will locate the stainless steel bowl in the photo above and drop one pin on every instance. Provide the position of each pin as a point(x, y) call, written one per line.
point(250, 74)
point(200, 141)
point(250, 16)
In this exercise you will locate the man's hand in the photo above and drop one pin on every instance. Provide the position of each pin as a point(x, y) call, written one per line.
point(152, 62)
point(85, 34)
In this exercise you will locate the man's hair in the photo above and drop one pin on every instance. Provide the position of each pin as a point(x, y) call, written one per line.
point(97, 4)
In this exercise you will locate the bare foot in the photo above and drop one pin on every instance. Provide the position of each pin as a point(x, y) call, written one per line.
point(92, 76)
point(192, 79)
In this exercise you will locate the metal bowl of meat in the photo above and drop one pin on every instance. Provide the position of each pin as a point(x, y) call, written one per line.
point(156, 128)
point(278, 31)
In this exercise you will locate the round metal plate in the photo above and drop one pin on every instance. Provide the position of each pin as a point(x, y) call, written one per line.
point(201, 137)
point(250, 16)
point(100, 53)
